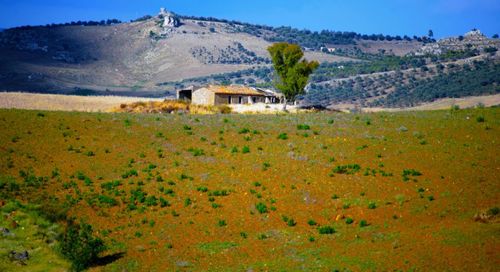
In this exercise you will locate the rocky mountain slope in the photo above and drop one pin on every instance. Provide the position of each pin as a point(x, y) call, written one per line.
point(127, 58)
point(154, 55)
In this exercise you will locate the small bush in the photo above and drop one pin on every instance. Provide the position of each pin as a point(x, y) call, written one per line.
point(348, 169)
point(261, 207)
point(372, 205)
point(151, 201)
point(130, 173)
point(219, 193)
point(184, 177)
point(326, 230)
point(222, 223)
point(127, 122)
point(245, 150)
point(169, 192)
point(107, 201)
point(291, 222)
point(303, 127)
point(80, 246)
point(312, 222)
point(349, 221)
point(480, 119)
point(225, 109)
point(196, 152)
point(8, 185)
point(494, 211)
point(283, 136)
point(262, 236)
point(244, 131)
point(164, 202)
point(110, 185)
point(363, 224)
point(31, 180)
point(202, 189)
point(410, 172)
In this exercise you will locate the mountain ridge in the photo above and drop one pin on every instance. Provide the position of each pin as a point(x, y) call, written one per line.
point(154, 55)
point(110, 56)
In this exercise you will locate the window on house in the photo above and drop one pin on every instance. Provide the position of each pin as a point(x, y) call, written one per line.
point(240, 100)
point(229, 99)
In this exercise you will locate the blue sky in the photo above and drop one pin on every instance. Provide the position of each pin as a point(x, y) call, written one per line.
point(395, 17)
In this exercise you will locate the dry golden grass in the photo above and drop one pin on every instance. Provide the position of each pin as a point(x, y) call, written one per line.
point(447, 103)
point(54, 102)
point(170, 106)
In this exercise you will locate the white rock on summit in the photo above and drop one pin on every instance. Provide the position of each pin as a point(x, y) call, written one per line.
point(475, 32)
point(472, 40)
point(169, 19)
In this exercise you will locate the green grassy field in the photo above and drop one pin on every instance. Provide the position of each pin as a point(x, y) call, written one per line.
point(308, 192)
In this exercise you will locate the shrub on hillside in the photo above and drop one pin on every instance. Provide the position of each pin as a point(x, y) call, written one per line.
point(326, 230)
point(348, 169)
point(80, 246)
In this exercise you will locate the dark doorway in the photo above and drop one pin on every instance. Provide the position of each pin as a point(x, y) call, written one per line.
point(185, 95)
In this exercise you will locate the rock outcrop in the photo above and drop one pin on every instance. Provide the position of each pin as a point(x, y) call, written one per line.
point(169, 19)
point(473, 40)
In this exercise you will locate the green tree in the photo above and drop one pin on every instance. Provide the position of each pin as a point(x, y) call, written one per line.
point(431, 34)
point(293, 71)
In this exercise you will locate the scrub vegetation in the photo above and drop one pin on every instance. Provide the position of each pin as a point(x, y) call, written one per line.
point(163, 192)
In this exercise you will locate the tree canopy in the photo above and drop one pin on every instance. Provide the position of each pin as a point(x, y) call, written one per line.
point(293, 71)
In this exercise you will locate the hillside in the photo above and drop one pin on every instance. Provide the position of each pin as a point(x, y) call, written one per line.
point(405, 85)
point(155, 55)
point(127, 58)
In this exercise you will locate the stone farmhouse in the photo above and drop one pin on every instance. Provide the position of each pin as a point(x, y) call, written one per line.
point(225, 95)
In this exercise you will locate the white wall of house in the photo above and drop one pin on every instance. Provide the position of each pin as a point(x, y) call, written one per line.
point(203, 96)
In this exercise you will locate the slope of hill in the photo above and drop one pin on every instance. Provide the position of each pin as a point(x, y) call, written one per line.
point(404, 85)
point(152, 56)
point(126, 58)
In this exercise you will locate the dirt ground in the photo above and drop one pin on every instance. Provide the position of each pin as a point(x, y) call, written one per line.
point(310, 192)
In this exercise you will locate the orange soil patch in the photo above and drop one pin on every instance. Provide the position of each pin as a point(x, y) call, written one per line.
point(213, 171)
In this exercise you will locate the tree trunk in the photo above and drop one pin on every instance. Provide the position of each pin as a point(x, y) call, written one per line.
point(284, 104)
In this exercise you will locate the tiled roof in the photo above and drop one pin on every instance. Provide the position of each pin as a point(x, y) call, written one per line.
point(234, 89)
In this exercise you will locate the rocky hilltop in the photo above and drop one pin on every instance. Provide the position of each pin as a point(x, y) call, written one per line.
point(169, 18)
point(154, 55)
point(127, 58)
point(473, 40)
